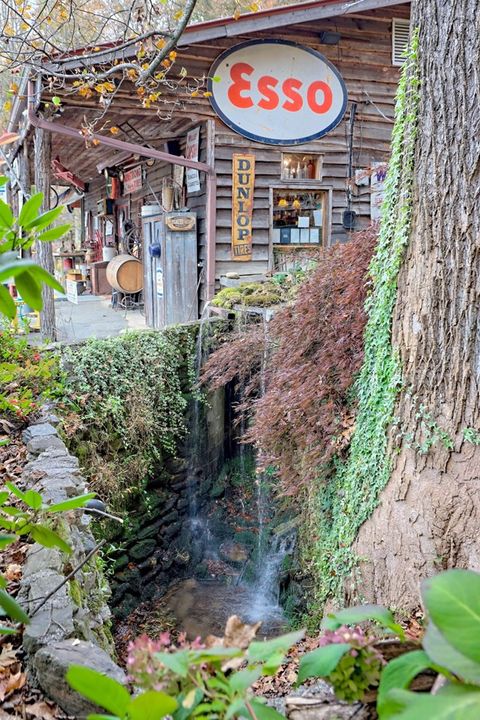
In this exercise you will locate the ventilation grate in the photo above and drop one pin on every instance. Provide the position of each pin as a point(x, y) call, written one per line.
point(400, 36)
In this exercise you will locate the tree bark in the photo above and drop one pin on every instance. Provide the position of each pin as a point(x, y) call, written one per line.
point(429, 514)
point(44, 251)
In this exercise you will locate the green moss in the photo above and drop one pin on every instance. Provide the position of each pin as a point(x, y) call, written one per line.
point(260, 294)
point(345, 498)
point(76, 593)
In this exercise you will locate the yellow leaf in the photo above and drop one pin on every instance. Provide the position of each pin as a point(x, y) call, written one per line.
point(7, 106)
point(178, 15)
point(114, 130)
point(253, 7)
point(194, 93)
point(172, 55)
point(24, 26)
point(207, 94)
point(8, 30)
point(236, 14)
point(166, 63)
point(160, 43)
point(13, 87)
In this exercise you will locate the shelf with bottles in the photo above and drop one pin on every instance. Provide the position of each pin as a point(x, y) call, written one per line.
point(301, 167)
point(298, 216)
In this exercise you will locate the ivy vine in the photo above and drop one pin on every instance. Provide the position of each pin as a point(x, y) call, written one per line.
point(348, 498)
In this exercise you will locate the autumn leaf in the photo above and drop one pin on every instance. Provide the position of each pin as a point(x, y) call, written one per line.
point(40, 710)
point(11, 683)
point(13, 87)
point(207, 94)
point(236, 14)
point(172, 55)
point(114, 130)
point(8, 657)
point(178, 15)
point(160, 43)
point(13, 572)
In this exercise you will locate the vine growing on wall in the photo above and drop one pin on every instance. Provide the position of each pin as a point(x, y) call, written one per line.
point(352, 493)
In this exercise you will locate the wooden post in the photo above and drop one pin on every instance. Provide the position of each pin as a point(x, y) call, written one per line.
point(44, 251)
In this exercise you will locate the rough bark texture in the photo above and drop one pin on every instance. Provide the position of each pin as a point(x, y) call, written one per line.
point(429, 514)
point(44, 251)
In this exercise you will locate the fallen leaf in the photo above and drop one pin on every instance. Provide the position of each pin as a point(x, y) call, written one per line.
point(8, 657)
point(13, 572)
point(13, 682)
point(40, 710)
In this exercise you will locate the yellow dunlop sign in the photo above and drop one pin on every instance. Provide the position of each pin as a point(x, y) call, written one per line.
point(243, 171)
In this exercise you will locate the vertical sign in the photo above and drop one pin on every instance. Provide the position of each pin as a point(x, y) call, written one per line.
point(243, 173)
point(191, 153)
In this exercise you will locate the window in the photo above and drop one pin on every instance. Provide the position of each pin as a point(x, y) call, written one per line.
point(400, 37)
point(299, 216)
point(301, 167)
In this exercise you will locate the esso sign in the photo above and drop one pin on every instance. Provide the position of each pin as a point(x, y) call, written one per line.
point(277, 92)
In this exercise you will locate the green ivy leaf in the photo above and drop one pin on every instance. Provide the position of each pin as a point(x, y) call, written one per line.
point(452, 600)
point(6, 540)
point(151, 705)
point(7, 631)
point(321, 662)
point(360, 613)
point(98, 688)
point(398, 674)
point(12, 608)
point(46, 537)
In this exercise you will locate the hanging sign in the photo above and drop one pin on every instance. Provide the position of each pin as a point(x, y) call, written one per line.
point(191, 153)
point(132, 180)
point(243, 172)
point(277, 92)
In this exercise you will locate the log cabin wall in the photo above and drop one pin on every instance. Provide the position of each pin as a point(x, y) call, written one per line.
point(364, 58)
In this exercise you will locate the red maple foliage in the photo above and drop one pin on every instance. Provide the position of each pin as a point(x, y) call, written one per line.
point(304, 416)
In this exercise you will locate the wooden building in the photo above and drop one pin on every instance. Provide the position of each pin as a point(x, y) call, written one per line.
point(304, 193)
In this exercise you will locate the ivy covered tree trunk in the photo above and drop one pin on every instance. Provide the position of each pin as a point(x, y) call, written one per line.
point(428, 518)
point(43, 250)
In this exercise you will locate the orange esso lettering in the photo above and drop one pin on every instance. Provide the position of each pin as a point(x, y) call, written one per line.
point(319, 86)
point(240, 85)
point(290, 88)
point(269, 100)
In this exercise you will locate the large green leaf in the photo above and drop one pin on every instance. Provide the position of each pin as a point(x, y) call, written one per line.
point(54, 233)
point(42, 221)
point(7, 540)
point(7, 304)
point(6, 216)
point(442, 653)
point(242, 679)
point(321, 662)
point(48, 279)
point(453, 702)
point(30, 290)
point(33, 499)
point(151, 705)
point(264, 712)
point(12, 608)
point(360, 613)
point(260, 651)
point(398, 674)
point(30, 210)
point(75, 502)
point(177, 662)
point(452, 600)
point(46, 537)
point(97, 688)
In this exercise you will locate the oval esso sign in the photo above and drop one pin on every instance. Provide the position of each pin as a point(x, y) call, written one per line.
point(277, 92)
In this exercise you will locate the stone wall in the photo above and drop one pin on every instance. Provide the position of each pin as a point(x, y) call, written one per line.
point(73, 626)
point(157, 544)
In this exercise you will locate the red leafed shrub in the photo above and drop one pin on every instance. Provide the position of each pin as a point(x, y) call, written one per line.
point(315, 348)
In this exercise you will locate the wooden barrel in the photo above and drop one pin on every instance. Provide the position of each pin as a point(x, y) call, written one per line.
point(125, 273)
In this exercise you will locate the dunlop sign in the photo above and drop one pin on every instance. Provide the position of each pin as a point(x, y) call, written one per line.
point(243, 169)
point(277, 92)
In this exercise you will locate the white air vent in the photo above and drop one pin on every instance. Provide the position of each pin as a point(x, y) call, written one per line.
point(400, 35)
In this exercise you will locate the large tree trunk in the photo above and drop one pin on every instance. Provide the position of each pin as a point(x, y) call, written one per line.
point(44, 251)
point(429, 514)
